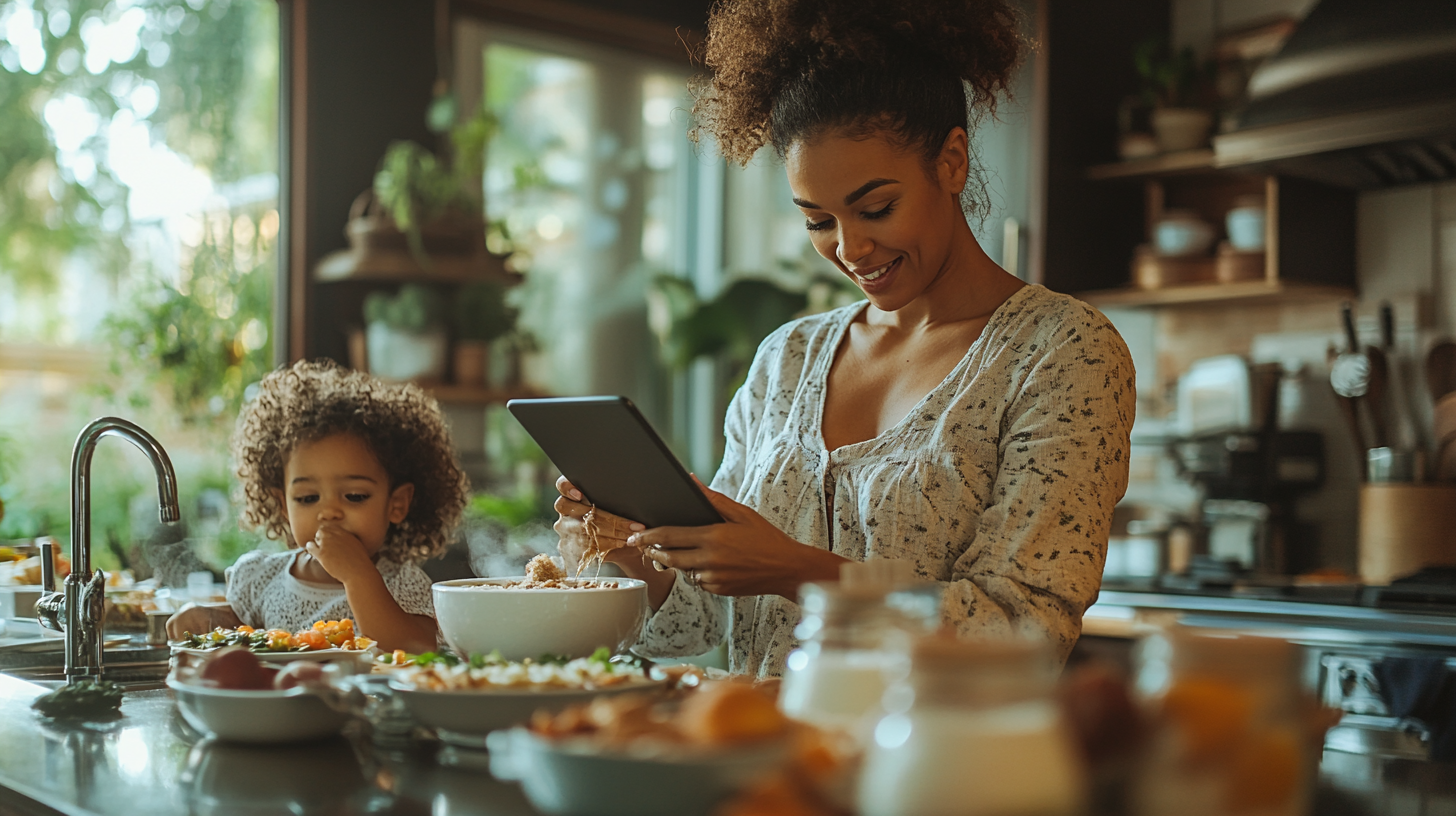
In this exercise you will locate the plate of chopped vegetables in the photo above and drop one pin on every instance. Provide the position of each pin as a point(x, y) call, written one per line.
point(463, 699)
point(325, 640)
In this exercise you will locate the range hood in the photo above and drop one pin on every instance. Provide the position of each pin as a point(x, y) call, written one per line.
point(1363, 95)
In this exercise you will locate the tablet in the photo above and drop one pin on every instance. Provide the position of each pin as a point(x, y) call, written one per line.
point(605, 447)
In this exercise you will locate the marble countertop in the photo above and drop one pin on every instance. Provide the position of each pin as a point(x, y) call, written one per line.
point(150, 762)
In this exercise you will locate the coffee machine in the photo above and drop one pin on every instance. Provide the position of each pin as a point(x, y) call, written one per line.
point(1250, 482)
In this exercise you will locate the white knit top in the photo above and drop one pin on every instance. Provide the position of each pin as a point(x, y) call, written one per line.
point(999, 484)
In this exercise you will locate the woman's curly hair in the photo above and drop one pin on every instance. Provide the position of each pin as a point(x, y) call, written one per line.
point(401, 425)
point(785, 70)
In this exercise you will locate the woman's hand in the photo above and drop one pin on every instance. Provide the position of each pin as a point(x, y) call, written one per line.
point(612, 534)
point(745, 555)
point(571, 509)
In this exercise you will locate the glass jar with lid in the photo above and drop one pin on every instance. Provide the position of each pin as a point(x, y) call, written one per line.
point(1233, 730)
point(973, 729)
point(835, 679)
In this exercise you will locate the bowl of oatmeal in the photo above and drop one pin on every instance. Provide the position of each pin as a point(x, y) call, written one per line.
point(542, 613)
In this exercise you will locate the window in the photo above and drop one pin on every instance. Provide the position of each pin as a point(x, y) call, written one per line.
point(139, 181)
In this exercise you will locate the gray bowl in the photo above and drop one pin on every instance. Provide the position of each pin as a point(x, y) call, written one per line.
point(293, 715)
point(574, 777)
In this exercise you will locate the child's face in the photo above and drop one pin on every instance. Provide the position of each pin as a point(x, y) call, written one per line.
point(338, 479)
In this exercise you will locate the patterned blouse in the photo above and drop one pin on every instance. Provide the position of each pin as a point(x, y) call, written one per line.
point(999, 484)
point(264, 594)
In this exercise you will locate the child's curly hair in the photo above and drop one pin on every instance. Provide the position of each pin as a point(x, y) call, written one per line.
point(786, 70)
point(400, 423)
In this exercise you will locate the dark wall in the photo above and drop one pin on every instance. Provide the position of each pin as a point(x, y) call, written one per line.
point(1089, 225)
point(370, 74)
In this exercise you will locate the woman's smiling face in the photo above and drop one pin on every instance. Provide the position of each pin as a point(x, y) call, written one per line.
point(877, 212)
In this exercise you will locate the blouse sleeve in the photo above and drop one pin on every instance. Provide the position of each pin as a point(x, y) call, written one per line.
point(693, 621)
point(245, 581)
point(411, 589)
point(1035, 564)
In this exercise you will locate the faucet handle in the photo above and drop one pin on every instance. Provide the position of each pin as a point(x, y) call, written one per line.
point(48, 564)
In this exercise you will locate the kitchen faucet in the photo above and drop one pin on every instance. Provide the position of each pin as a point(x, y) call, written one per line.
point(78, 610)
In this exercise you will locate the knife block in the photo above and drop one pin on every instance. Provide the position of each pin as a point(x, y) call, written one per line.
point(1404, 528)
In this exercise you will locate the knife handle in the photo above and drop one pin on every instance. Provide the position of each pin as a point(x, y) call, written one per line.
point(1347, 314)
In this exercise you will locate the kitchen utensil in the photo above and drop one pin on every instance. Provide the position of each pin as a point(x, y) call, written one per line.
point(1441, 369)
point(1377, 390)
point(1350, 378)
point(477, 618)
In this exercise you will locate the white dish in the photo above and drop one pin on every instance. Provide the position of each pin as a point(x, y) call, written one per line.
point(476, 713)
point(319, 655)
point(527, 623)
point(292, 715)
point(575, 777)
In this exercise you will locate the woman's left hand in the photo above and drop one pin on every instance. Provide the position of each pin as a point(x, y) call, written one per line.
point(745, 555)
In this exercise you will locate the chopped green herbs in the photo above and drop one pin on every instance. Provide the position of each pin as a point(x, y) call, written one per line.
point(85, 700)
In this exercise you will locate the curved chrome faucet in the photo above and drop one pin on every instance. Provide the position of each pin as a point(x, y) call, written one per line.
point(78, 610)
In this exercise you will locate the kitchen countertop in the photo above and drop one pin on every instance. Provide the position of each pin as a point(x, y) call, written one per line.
point(150, 762)
point(1124, 613)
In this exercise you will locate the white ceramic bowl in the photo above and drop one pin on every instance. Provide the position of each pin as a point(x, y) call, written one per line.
point(523, 623)
point(576, 778)
point(293, 715)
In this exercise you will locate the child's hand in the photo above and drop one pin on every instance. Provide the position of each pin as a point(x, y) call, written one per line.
point(200, 619)
point(340, 553)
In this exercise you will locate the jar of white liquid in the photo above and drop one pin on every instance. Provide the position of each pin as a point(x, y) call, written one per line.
point(972, 729)
point(836, 678)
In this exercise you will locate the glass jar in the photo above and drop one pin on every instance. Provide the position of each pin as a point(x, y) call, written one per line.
point(973, 729)
point(1231, 727)
point(836, 678)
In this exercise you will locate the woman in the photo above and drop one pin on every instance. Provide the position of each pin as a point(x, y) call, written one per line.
point(959, 420)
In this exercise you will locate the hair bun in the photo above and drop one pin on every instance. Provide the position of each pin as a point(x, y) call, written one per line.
point(755, 48)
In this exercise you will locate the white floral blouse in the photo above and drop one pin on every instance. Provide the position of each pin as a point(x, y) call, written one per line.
point(999, 484)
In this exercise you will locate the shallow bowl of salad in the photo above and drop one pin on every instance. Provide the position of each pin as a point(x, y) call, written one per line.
point(465, 699)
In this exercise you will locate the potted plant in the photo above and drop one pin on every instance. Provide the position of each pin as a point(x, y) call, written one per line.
point(1177, 87)
point(405, 334)
point(428, 205)
point(481, 317)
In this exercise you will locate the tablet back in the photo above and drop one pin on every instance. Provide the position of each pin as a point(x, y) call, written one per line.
point(605, 447)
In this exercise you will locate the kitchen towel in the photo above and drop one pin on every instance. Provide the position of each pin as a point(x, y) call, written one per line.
point(1422, 688)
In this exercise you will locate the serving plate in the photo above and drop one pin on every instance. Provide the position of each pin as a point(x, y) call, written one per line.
point(465, 717)
point(319, 655)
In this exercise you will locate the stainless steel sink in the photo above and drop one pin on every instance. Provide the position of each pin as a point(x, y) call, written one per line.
point(142, 676)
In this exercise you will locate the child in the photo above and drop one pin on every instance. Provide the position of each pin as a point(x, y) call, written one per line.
point(359, 478)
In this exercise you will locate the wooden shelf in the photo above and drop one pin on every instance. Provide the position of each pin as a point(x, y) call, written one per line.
point(1203, 293)
point(401, 267)
point(1180, 163)
point(478, 395)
